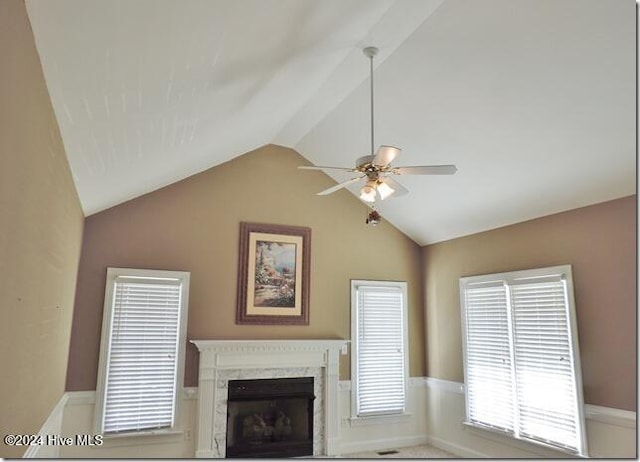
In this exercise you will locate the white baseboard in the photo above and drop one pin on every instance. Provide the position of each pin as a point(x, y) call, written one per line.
point(456, 449)
point(379, 444)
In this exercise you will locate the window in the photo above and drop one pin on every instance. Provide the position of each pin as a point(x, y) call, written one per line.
point(521, 358)
point(379, 348)
point(142, 350)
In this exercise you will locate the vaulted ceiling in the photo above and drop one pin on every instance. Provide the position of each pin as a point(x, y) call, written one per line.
point(533, 100)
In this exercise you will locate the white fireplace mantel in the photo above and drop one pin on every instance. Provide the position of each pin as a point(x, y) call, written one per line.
point(224, 360)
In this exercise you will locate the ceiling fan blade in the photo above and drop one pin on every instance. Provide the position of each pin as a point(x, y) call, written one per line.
point(313, 167)
point(396, 189)
point(340, 186)
point(385, 155)
point(425, 170)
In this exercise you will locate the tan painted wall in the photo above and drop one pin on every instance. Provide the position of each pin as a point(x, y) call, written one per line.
point(40, 237)
point(599, 242)
point(193, 225)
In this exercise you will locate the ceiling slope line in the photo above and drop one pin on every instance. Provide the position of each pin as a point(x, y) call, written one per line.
point(395, 26)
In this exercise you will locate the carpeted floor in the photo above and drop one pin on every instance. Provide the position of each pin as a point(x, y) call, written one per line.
point(413, 452)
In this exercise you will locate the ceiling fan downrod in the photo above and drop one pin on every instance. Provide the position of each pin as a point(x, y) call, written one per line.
point(370, 52)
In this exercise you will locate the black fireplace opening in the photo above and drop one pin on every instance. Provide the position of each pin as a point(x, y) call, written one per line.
point(270, 418)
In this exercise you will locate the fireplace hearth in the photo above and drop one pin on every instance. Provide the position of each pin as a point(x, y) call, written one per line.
point(270, 418)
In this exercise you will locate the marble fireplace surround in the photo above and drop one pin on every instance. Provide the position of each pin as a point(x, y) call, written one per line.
point(224, 360)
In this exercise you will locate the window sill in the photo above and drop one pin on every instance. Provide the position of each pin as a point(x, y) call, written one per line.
point(383, 419)
point(142, 438)
point(537, 449)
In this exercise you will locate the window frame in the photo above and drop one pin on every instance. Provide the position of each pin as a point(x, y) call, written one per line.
point(565, 272)
point(105, 347)
point(386, 417)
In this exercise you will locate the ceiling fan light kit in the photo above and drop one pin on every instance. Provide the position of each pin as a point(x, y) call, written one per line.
point(384, 190)
point(368, 193)
point(375, 169)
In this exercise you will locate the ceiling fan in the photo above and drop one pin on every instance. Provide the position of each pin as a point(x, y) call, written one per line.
point(375, 170)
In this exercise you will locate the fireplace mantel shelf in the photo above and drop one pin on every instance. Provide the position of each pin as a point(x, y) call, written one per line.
point(222, 360)
point(267, 345)
point(300, 341)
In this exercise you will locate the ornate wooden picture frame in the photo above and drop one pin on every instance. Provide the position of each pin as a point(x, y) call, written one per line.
point(273, 274)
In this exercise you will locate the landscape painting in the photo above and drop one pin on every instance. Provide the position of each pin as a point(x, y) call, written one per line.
point(273, 274)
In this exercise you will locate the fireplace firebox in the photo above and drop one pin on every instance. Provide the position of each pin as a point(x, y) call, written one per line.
point(270, 418)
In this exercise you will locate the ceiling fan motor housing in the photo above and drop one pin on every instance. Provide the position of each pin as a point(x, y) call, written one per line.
point(364, 160)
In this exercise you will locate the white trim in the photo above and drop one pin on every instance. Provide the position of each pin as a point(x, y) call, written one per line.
point(141, 438)
point(386, 443)
point(611, 416)
point(608, 415)
point(51, 426)
point(417, 382)
point(105, 339)
point(561, 275)
point(221, 360)
point(75, 398)
point(355, 284)
point(385, 419)
point(610, 419)
point(190, 393)
point(447, 385)
point(414, 382)
point(535, 448)
point(455, 448)
point(127, 436)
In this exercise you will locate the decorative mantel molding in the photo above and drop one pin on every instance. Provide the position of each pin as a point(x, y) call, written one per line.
point(224, 360)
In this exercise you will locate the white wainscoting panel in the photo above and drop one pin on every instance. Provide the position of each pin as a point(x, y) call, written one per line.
point(393, 433)
point(610, 432)
point(78, 420)
point(51, 426)
point(436, 412)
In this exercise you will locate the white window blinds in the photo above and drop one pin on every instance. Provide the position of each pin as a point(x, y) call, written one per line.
point(143, 353)
point(545, 377)
point(522, 366)
point(380, 368)
point(488, 353)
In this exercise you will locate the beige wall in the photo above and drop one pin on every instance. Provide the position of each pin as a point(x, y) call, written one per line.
point(40, 237)
point(193, 225)
point(598, 241)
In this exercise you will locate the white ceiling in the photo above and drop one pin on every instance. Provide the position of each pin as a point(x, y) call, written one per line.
point(533, 100)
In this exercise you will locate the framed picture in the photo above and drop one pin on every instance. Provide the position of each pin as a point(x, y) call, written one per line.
point(273, 274)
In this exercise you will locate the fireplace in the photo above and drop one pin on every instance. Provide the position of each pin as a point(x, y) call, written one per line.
point(270, 418)
point(225, 362)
